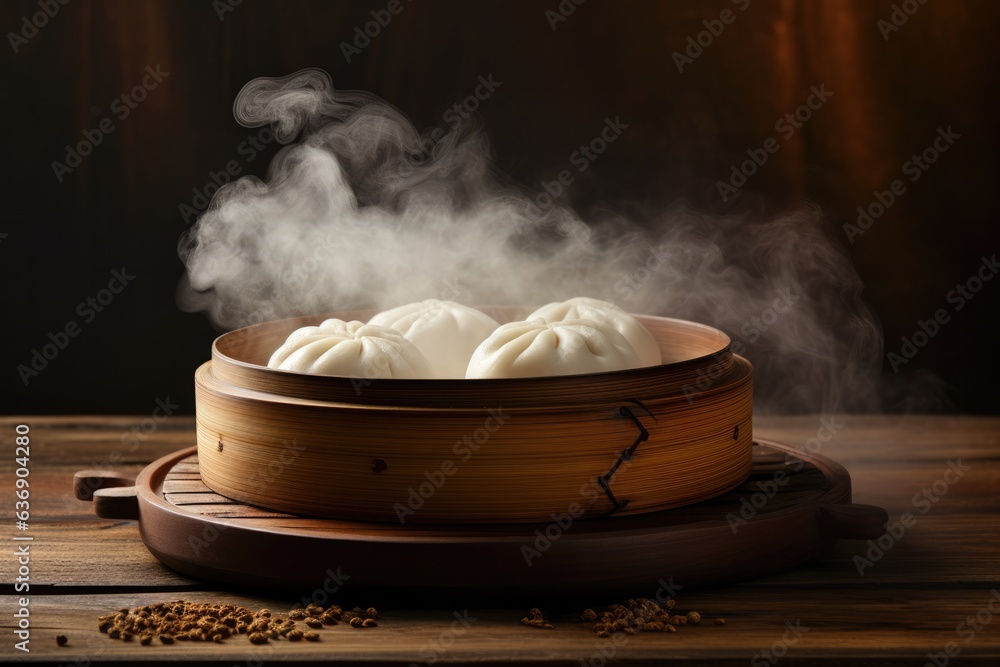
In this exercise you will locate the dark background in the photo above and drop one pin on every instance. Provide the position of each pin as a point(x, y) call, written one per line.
point(120, 207)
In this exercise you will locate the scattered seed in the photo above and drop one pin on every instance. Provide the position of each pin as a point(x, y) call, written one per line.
point(535, 619)
point(180, 620)
point(635, 616)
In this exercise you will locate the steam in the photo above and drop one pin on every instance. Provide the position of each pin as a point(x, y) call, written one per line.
point(364, 211)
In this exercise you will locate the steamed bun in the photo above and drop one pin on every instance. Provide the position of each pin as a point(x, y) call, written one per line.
point(447, 333)
point(533, 349)
point(350, 349)
point(608, 313)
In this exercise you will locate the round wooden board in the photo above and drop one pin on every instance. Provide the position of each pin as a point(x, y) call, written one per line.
point(791, 509)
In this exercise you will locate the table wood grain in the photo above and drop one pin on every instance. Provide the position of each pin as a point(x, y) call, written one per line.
point(920, 596)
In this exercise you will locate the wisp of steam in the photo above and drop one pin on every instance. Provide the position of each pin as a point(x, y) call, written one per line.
point(366, 211)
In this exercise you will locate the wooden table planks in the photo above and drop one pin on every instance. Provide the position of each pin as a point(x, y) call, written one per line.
point(909, 603)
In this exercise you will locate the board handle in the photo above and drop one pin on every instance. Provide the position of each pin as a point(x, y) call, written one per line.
point(114, 494)
point(852, 522)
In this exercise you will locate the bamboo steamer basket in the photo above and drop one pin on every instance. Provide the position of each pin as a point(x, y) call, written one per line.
point(475, 451)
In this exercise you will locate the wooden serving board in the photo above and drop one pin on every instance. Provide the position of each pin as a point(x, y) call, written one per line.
point(791, 509)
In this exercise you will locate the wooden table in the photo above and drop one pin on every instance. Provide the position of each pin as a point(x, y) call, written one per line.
point(920, 594)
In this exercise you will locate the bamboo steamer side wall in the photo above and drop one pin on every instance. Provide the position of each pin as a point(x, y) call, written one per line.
point(492, 463)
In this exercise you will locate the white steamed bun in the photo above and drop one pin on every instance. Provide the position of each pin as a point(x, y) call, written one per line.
point(534, 349)
point(447, 333)
point(350, 349)
point(585, 308)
